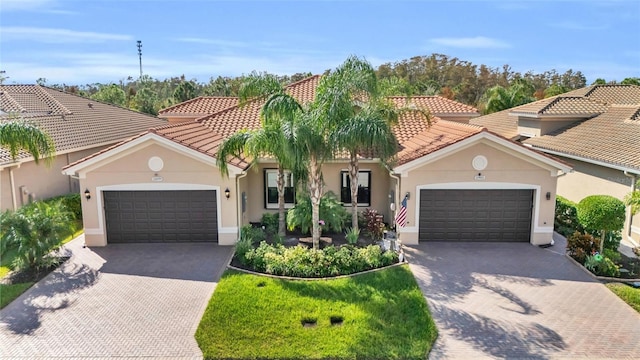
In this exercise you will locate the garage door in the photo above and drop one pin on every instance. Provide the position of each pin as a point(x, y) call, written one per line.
point(475, 215)
point(160, 216)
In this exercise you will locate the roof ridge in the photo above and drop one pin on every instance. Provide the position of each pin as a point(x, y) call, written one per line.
point(13, 102)
point(41, 91)
point(180, 104)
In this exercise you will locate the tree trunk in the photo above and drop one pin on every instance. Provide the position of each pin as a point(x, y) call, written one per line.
point(315, 192)
point(353, 178)
point(603, 233)
point(280, 184)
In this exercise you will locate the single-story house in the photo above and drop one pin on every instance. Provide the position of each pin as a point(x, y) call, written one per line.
point(78, 127)
point(595, 129)
point(463, 182)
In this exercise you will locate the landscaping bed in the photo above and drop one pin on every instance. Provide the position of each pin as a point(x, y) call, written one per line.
point(380, 315)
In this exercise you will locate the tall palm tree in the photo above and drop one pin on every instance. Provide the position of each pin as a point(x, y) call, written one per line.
point(19, 135)
point(269, 139)
point(499, 98)
point(361, 118)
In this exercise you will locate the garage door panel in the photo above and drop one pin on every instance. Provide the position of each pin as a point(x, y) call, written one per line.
point(475, 215)
point(161, 216)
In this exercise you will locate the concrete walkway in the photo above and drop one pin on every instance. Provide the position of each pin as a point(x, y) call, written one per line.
point(518, 301)
point(133, 301)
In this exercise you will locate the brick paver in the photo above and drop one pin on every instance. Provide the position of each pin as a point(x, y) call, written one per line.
point(517, 301)
point(133, 301)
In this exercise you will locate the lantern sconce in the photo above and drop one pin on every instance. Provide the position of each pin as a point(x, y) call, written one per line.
point(227, 193)
point(548, 195)
point(87, 194)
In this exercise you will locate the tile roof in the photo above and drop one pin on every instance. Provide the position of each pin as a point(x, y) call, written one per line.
point(442, 133)
point(612, 137)
point(413, 132)
point(73, 122)
point(438, 105)
point(203, 105)
point(607, 127)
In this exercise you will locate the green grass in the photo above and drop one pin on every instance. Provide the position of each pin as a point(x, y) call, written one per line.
point(629, 294)
point(384, 314)
point(8, 293)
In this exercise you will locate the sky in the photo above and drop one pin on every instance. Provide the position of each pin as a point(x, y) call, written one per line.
point(89, 41)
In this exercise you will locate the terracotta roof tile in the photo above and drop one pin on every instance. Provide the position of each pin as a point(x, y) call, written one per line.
point(615, 94)
point(438, 105)
point(203, 105)
point(72, 121)
point(442, 133)
point(613, 137)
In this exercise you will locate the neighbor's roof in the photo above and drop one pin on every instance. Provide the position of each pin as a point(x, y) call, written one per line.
point(73, 122)
point(200, 106)
point(612, 137)
point(606, 127)
point(413, 131)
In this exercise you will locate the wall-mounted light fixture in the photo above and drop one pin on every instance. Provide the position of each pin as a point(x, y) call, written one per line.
point(548, 196)
point(227, 193)
point(87, 194)
point(407, 195)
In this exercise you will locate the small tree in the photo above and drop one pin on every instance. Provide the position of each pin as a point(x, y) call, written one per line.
point(633, 199)
point(601, 212)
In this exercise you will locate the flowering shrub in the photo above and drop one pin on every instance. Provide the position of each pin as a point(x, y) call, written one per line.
point(300, 261)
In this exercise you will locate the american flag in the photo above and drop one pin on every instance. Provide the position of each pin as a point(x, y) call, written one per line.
point(401, 216)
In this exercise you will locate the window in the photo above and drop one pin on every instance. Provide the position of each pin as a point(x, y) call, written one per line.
point(271, 189)
point(364, 188)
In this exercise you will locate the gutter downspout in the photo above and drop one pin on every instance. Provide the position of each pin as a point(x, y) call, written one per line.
point(396, 200)
point(634, 179)
point(239, 202)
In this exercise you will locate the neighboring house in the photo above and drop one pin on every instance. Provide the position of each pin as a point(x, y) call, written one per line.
point(78, 126)
point(463, 182)
point(193, 109)
point(595, 129)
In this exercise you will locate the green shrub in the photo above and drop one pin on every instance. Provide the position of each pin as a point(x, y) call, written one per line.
point(331, 212)
point(566, 217)
point(614, 255)
point(374, 223)
point(300, 261)
point(36, 231)
point(352, 235)
point(270, 222)
point(601, 212)
point(254, 235)
point(601, 265)
point(581, 245)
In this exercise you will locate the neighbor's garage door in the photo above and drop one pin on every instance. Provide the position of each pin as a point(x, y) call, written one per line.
point(160, 216)
point(475, 215)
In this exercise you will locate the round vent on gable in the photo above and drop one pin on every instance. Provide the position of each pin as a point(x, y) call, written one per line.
point(155, 163)
point(480, 162)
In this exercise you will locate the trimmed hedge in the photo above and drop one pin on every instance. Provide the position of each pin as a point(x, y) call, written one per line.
point(300, 261)
point(566, 219)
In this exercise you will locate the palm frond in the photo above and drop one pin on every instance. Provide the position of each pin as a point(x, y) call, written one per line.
point(20, 135)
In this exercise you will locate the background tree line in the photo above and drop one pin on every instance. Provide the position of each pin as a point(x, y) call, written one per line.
point(487, 88)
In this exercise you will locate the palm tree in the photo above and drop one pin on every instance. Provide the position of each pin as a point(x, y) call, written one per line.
point(498, 98)
point(633, 199)
point(269, 139)
point(19, 135)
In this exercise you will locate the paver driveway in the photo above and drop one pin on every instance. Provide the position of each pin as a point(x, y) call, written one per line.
point(134, 301)
point(515, 301)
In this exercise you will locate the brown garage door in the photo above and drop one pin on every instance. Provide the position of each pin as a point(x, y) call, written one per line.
point(475, 215)
point(160, 216)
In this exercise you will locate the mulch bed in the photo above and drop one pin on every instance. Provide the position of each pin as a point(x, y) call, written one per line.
point(632, 264)
point(28, 275)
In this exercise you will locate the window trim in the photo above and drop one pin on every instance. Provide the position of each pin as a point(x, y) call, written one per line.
point(360, 171)
point(265, 190)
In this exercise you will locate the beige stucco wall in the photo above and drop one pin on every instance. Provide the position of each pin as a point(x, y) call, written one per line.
point(331, 175)
point(504, 170)
point(130, 171)
point(39, 181)
point(590, 179)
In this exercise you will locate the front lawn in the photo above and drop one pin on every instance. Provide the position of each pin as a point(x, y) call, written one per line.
point(380, 315)
point(629, 294)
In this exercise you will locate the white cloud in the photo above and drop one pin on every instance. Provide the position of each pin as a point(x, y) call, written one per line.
point(13, 5)
point(478, 42)
point(53, 35)
point(207, 41)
